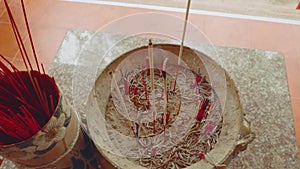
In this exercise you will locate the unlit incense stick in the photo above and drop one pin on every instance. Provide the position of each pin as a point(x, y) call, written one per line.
point(25, 96)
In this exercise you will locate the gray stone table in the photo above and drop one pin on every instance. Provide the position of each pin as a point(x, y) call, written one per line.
point(260, 77)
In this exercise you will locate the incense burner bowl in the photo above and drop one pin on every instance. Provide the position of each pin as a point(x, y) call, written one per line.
point(221, 138)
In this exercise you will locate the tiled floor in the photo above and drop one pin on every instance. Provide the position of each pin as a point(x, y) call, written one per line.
point(50, 20)
point(285, 9)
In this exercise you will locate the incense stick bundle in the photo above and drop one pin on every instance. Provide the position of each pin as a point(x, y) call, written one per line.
point(38, 126)
point(28, 98)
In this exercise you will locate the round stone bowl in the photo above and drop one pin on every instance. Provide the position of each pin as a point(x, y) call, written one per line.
point(233, 137)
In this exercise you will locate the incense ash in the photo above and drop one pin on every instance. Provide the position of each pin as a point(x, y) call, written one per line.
point(170, 126)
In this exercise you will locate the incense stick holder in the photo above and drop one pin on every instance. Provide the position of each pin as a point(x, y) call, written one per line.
point(208, 140)
point(51, 143)
point(60, 143)
point(157, 102)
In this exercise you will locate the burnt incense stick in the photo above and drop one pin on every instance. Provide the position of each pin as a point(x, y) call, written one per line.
point(164, 74)
point(182, 41)
point(150, 51)
point(119, 95)
point(203, 107)
point(145, 89)
point(152, 92)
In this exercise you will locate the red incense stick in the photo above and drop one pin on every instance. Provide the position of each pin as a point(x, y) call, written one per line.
point(28, 98)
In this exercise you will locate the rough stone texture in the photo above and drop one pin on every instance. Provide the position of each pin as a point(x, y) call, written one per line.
point(261, 81)
point(260, 78)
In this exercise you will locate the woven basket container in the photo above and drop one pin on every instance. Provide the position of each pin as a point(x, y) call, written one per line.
point(234, 133)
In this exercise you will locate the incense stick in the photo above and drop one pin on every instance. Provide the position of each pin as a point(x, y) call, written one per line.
point(18, 37)
point(119, 93)
point(122, 100)
point(30, 36)
point(150, 51)
point(25, 103)
point(182, 41)
point(145, 88)
point(164, 74)
point(152, 92)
